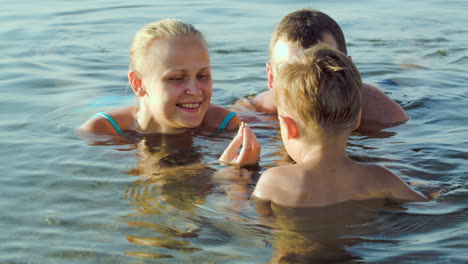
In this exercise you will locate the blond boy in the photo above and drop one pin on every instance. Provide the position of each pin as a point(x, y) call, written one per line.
point(318, 95)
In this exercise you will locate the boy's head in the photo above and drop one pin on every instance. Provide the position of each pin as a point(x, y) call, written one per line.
point(321, 90)
point(301, 30)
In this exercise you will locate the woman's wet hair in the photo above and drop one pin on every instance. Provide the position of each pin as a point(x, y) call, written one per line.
point(162, 29)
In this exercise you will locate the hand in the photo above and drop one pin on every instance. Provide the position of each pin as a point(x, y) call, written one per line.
point(249, 152)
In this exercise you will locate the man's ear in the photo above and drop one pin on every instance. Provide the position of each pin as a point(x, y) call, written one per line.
point(269, 75)
point(291, 128)
point(136, 84)
point(358, 121)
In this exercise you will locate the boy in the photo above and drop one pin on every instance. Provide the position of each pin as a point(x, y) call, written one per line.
point(318, 95)
point(303, 29)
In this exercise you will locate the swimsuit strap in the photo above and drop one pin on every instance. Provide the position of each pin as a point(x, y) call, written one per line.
point(113, 123)
point(225, 122)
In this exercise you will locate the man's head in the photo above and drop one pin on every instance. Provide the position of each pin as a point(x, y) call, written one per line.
point(301, 30)
point(321, 90)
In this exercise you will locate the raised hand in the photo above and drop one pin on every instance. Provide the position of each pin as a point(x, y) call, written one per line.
point(249, 152)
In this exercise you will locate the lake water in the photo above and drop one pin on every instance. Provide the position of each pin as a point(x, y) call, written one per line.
point(67, 201)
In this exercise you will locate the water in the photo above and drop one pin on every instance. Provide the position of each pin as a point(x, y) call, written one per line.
point(67, 201)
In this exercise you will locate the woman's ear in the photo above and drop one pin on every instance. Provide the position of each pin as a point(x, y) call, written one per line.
point(269, 75)
point(136, 84)
point(290, 126)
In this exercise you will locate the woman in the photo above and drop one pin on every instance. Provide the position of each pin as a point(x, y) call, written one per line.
point(170, 73)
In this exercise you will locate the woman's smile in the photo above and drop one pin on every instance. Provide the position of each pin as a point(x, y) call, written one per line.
point(190, 106)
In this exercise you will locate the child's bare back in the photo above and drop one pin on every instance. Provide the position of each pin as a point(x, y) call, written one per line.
point(306, 185)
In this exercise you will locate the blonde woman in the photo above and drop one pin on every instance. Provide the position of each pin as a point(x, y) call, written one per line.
point(170, 73)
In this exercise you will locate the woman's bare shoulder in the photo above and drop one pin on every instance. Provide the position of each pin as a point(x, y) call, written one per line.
point(99, 125)
point(215, 116)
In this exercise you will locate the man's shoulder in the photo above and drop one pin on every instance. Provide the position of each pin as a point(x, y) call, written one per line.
point(379, 110)
point(264, 102)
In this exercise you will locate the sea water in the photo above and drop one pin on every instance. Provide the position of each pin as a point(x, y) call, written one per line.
point(67, 200)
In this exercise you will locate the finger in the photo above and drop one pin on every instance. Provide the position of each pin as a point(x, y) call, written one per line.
point(251, 139)
point(256, 146)
point(248, 154)
point(237, 140)
point(230, 153)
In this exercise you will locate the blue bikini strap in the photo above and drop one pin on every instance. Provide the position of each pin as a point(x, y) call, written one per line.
point(113, 123)
point(225, 122)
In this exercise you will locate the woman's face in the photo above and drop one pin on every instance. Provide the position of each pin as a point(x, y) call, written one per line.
point(178, 83)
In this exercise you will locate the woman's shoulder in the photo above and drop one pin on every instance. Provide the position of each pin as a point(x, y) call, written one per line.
point(109, 123)
point(216, 115)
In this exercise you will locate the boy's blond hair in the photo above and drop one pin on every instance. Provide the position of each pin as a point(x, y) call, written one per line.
point(321, 89)
point(166, 28)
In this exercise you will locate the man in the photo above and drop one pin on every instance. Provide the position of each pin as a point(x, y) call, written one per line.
point(303, 29)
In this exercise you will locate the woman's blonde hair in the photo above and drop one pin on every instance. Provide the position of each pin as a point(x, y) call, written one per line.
point(321, 89)
point(166, 28)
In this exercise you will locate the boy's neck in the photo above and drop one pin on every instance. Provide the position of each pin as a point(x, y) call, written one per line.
point(321, 150)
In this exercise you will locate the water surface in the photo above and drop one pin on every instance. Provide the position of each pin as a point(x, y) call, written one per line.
point(67, 201)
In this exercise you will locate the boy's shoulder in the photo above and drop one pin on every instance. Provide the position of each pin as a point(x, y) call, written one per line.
point(373, 176)
point(274, 181)
point(376, 174)
point(383, 182)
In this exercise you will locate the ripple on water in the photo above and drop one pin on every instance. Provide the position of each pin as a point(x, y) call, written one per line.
point(67, 200)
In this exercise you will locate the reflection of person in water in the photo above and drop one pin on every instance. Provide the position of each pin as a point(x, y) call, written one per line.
point(172, 184)
point(173, 171)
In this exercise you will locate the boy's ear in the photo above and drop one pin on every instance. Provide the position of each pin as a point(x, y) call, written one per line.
point(358, 121)
point(136, 84)
point(290, 126)
point(269, 75)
